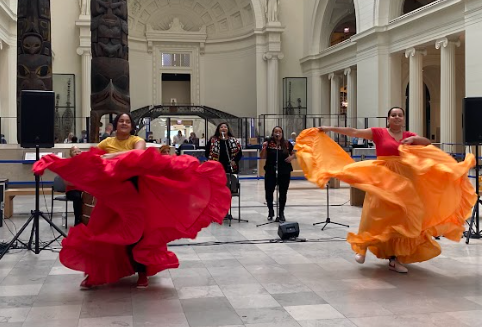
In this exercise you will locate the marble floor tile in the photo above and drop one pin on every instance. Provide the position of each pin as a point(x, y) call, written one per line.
point(313, 312)
point(303, 298)
point(263, 315)
point(417, 320)
point(20, 290)
point(54, 313)
point(123, 321)
point(11, 315)
point(310, 284)
point(199, 292)
point(469, 318)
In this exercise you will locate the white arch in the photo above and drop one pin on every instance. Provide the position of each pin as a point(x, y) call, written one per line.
point(320, 25)
point(382, 12)
point(316, 26)
point(258, 11)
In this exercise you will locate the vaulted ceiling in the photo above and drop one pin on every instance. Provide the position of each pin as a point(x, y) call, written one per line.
point(223, 18)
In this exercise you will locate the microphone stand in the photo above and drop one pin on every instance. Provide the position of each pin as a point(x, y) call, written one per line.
point(328, 220)
point(277, 191)
point(229, 216)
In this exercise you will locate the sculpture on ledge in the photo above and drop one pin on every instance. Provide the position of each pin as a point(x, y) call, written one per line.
point(271, 10)
point(110, 65)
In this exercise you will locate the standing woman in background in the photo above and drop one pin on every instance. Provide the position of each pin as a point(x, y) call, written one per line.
point(278, 153)
point(225, 148)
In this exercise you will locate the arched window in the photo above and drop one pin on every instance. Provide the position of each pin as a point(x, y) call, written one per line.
point(345, 29)
point(411, 5)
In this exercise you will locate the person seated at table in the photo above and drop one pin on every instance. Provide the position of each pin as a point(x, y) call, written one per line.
point(72, 193)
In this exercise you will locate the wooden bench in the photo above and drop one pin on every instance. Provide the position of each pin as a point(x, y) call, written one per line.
point(13, 192)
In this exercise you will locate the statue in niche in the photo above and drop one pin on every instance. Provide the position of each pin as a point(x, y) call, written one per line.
point(34, 49)
point(110, 66)
point(271, 10)
point(84, 6)
point(176, 25)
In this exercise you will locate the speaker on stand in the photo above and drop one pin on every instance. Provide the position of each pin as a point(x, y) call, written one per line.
point(37, 130)
point(472, 116)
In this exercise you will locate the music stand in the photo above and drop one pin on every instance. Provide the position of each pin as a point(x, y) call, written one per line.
point(231, 174)
point(471, 232)
point(328, 219)
point(36, 214)
point(277, 193)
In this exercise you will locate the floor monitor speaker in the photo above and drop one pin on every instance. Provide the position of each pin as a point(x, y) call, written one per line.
point(471, 120)
point(288, 230)
point(37, 119)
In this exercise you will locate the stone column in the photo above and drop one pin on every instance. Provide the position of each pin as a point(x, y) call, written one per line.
point(448, 105)
point(351, 97)
point(334, 98)
point(86, 55)
point(273, 83)
point(415, 103)
point(84, 50)
point(315, 98)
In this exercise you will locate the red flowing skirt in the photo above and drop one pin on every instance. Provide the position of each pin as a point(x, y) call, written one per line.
point(175, 198)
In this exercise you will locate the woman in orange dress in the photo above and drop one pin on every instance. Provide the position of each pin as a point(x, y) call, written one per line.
point(414, 191)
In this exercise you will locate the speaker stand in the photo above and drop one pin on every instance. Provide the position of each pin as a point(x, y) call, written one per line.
point(328, 220)
point(35, 217)
point(472, 232)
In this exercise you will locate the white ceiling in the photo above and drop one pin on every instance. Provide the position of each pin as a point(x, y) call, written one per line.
point(222, 18)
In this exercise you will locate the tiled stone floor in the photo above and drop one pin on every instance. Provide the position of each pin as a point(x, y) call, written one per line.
point(309, 284)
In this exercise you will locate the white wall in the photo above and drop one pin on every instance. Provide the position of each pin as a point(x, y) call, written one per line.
point(230, 81)
point(473, 49)
point(65, 40)
point(140, 74)
point(291, 16)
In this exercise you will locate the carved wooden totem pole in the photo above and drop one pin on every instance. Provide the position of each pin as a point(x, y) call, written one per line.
point(110, 66)
point(34, 49)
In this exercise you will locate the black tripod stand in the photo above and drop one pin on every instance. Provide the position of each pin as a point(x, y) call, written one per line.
point(234, 188)
point(36, 214)
point(328, 220)
point(277, 220)
point(475, 232)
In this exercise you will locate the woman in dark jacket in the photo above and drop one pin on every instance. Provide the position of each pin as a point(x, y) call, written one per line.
point(225, 148)
point(278, 153)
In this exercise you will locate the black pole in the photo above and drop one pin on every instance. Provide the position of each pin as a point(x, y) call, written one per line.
point(37, 201)
point(477, 185)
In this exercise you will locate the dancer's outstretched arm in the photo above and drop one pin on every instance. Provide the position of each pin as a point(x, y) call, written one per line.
point(348, 131)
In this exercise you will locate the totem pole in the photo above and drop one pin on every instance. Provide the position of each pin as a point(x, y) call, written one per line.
point(110, 66)
point(34, 50)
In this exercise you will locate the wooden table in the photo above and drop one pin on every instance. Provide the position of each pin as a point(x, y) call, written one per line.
point(13, 192)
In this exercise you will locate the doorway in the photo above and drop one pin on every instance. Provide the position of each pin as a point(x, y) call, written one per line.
point(176, 89)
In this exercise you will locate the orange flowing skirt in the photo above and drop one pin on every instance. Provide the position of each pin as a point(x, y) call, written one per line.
point(409, 199)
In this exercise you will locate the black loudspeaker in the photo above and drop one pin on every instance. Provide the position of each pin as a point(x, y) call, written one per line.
point(288, 230)
point(37, 119)
point(472, 120)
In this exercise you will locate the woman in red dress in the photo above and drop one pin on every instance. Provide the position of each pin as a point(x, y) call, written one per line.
point(127, 227)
